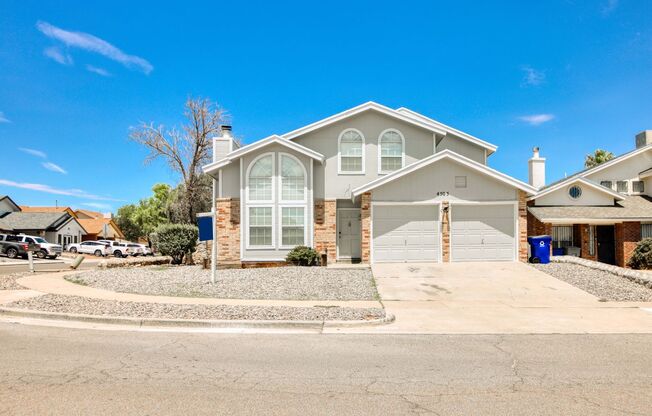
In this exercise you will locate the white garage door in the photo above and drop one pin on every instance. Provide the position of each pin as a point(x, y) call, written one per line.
point(482, 233)
point(406, 233)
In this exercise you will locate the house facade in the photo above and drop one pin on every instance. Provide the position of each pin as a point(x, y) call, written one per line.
point(370, 184)
point(602, 212)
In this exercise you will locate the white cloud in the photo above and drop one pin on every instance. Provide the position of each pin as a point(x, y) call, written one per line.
point(78, 193)
point(98, 205)
point(532, 77)
point(92, 43)
point(54, 167)
point(537, 119)
point(608, 7)
point(3, 118)
point(33, 152)
point(56, 54)
point(99, 71)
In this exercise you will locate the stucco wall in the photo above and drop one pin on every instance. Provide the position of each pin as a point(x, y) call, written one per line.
point(589, 196)
point(462, 147)
point(627, 170)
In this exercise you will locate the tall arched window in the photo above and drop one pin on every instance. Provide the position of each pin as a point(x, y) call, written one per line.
point(260, 194)
point(391, 151)
point(260, 179)
point(351, 152)
point(293, 179)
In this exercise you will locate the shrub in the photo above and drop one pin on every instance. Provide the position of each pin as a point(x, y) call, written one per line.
point(176, 240)
point(642, 256)
point(302, 256)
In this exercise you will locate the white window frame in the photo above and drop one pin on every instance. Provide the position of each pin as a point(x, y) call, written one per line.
point(247, 228)
point(280, 179)
point(280, 225)
point(633, 192)
point(645, 225)
point(339, 153)
point(380, 136)
point(251, 165)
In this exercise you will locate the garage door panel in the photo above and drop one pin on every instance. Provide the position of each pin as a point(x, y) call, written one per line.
point(482, 233)
point(406, 233)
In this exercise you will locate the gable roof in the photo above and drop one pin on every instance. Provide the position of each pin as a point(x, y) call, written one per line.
point(490, 147)
point(444, 155)
point(19, 221)
point(90, 214)
point(11, 201)
point(275, 139)
point(96, 225)
point(629, 209)
point(589, 171)
point(69, 210)
point(584, 181)
point(368, 106)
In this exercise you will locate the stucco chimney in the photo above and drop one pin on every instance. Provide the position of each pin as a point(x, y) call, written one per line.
point(537, 169)
point(644, 138)
point(224, 144)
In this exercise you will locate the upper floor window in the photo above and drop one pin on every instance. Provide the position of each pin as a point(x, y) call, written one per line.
point(606, 184)
point(351, 152)
point(391, 151)
point(622, 186)
point(293, 179)
point(260, 179)
point(638, 187)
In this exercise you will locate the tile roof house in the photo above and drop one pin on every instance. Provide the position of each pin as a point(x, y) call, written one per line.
point(602, 211)
point(370, 184)
point(26, 208)
point(99, 225)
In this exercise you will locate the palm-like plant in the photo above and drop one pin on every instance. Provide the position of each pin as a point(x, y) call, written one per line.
point(598, 157)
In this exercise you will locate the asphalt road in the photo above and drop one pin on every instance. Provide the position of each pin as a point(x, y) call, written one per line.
point(43, 265)
point(62, 371)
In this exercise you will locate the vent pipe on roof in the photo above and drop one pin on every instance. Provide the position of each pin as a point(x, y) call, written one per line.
point(537, 170)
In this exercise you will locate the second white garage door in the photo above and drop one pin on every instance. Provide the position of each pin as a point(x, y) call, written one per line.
point(405, 233)
point(482, 233)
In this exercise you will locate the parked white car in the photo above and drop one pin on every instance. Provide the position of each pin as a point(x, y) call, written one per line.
point(117, 248)
point(90, 247)
point(147, 251)
point(47, 249)
point(136, 249)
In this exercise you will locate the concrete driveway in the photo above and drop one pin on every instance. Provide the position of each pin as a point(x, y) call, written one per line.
point(497, 298)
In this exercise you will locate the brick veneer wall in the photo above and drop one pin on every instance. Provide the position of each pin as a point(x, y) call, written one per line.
point(228, 231)
point(365, 218)
point(445, 233)
point(628, 234)
point(326, 228)
point(522, 227)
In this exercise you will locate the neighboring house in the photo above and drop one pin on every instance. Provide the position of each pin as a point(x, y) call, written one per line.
point(7, 205)
point(69, 210)
point(370, 184)
point(55, 227)
point(99, 225)
point(604, 210)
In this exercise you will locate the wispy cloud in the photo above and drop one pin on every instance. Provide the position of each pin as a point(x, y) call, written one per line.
point(99, 71)
point(33, 152)
point(54, 167)
point(537, 119)
point(532, 77)
point(92, 43)
point(3, 118)
point(608, 7)
point(98, 205)
point(78, 193)
point(56, 54)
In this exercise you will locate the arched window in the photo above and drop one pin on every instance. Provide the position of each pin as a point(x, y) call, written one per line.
point(351, 152)
point(293, 179)
point(390, 153)
point(260, 179)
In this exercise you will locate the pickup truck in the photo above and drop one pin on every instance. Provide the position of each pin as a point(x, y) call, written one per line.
point(117, 248)
point(47, 249)
point(12, 247)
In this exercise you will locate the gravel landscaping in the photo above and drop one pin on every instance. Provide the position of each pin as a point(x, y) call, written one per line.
point(283, 283)
point(8, 281)
point(86, 306)
point(602, 284)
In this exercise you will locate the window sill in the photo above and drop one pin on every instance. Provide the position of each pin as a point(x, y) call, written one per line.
point(351, 173)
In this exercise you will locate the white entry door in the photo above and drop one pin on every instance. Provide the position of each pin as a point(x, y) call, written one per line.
point(483, 233)
point(406, 233)
point(348, 233)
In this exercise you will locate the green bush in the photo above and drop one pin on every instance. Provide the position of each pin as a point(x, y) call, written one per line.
point(302, 256)
point(642, 256)
point(176, 240)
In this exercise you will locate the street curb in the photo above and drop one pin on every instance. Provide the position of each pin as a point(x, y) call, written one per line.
point(192, 323)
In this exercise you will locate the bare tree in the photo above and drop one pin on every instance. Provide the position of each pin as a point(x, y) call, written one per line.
point(185, 150)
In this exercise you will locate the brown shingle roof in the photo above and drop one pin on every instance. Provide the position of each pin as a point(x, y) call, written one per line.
point(630, 208)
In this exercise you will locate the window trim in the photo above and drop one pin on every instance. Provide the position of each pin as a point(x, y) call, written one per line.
point(626, 184)
point(251, 165)
point(568, 192)
point(280, 180)
point(247, 228)
point(339, 153)
point(280, 225)
point(380, 150)
point(633, 192)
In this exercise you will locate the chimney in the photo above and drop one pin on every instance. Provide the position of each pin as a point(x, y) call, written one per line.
point(644, 138)
point(224, 144)
point(537, 169)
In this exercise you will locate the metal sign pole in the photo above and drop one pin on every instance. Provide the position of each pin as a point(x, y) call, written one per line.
point(214, 242)
point(30, 258)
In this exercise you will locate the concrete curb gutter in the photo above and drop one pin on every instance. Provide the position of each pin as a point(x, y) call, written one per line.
point(192, 323)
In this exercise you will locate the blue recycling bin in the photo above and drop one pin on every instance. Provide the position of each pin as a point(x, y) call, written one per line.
point(540, 249)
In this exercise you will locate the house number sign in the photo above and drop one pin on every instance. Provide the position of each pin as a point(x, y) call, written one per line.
point(443, 193)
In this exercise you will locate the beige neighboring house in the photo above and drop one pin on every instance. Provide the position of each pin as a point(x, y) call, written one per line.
point(602, 212)
point(370, 184)
point(57, 225)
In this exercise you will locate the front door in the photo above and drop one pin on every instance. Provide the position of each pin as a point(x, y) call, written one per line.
point(348, 233)
point(606, 244)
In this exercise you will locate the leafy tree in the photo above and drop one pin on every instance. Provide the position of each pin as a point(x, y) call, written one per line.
point(125, 220)
point(598, 157)
point(176, 240)
point(139, 220)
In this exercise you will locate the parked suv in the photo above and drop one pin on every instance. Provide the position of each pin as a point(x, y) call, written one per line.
point(117, 248)
point(47, 249)
point(90, 247)
point(136, 249)
point(11, 247)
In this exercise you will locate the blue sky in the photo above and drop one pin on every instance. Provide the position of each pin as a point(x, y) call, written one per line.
point(568, 76)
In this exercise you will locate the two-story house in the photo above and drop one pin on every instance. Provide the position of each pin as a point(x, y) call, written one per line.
point(370, 184)
point(604, 211)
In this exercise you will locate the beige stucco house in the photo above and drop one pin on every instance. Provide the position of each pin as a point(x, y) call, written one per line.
point(370, 184)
